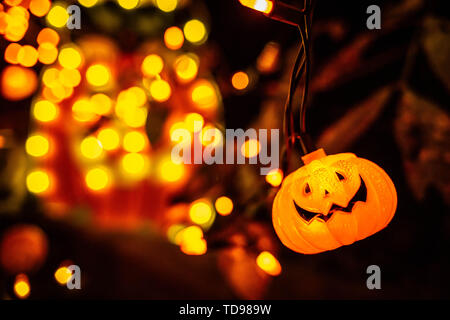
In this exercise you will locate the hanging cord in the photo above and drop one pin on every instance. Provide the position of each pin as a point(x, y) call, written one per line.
point(301, 70)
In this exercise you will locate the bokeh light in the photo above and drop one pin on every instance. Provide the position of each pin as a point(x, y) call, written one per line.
point(91, 148)
point(109, 138)
point(47, 53)
point(224, 205)
point(128, 4)
point(173, 38)
point(135, 164)
point(70, 58)
point(191, 241)
point(194, 122)
point(275, 177)
point(98, 178)
point(45, 111)
point(39, 7)
point(134, 141)
point(195, 31)
point(240, 80)
point(38, 181)
point(37, 145)
point(250, 148)
point(88, 3)
point(204, 95)
point(166, 5)
point(18, 83)
point(200, 211)
point(170, 171)
point(186, 68)
point(48, 35)
point(98, 75)
point(57, 16)
point(101, 104)
point(268, 263)
point(83, 110)
point(160, 90)
point(12, 52)
point(62, 275)
point(22, 286)
point(152, 65)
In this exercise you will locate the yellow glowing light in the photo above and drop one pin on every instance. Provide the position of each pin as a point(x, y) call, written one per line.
point(47, 53)
point(109, 138)
point(224, 206)
point(12, 3)
point(200, 211)
point(128, 4)
point(170, 171)
point(174, 38)
point(15, 23)
point(264, 6)
point(83, 111)
point(91, 148)
point(275, 177)
point(211, 136)
point(160, 90)
point(268, 263)
point(250, 148)
point(152, 65)
point(192, 242)
point(134, 164)
point(62, 275)
point(70, 58)
point(135, 117)
point(139, 95)
point(134, 141)
point(17, 82)
point(38, 181)
point(194, 122)
point(50, 76)
point(240, 80)
point(88, 3)
point(69, 77)
point(97, 179)
point(39, 7)
point(101, 104)
point(268, 59)
point(174, 233)
point(177, 125)
point(37, 145)
point(57, 16)
point(186, 68)
point(45, 111)
point(204, 95)
point(195, 31)
point(98, 75)
point(22, 286)
point(167, 5)
point(12, 52)
point(48, 35)
point(27, 56)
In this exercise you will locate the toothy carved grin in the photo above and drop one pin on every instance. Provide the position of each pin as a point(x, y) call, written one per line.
point(360, 195)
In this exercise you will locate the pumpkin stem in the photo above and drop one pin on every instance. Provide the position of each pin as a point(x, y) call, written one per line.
point(315, 155)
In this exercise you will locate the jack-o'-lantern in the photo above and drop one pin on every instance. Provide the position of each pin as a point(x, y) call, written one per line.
point(332, 201)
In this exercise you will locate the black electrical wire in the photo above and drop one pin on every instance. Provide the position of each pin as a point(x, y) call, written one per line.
point(300, 71)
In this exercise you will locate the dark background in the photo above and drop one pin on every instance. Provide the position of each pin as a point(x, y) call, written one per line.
point(412, 252)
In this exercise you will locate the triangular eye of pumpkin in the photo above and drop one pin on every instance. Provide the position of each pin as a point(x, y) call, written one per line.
point(307, 189)
point(340, 176)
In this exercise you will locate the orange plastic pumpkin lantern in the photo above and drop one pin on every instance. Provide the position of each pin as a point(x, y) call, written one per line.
point(332, 201)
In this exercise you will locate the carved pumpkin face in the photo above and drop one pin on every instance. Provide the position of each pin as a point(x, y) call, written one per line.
point(332, 201)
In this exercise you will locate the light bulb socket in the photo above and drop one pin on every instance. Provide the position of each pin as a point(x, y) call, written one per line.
point(286, 13)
